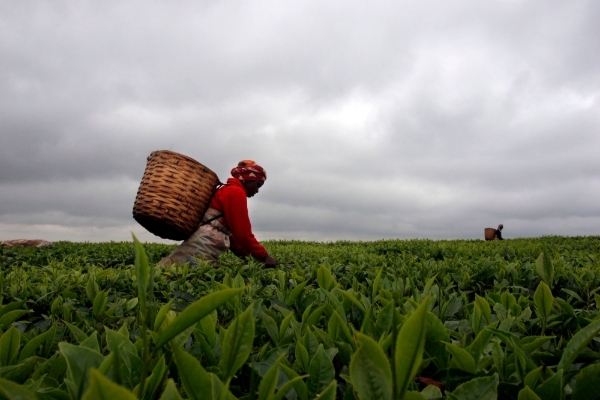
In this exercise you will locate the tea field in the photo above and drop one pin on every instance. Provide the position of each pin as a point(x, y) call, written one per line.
point(389, 319)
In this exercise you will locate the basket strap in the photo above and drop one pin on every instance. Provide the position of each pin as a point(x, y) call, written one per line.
point(210, 220)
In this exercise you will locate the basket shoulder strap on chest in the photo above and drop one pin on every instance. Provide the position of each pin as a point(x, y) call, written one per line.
point(208, 221)
point(217, 187)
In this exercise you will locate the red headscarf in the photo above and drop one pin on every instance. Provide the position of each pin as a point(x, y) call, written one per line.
point(248, 170)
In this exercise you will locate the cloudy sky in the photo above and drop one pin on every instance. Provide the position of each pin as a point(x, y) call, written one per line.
point(379, 119)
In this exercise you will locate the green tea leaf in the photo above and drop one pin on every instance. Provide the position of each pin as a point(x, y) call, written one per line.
point(23, 370)
point(462, 358)
point(34, 344)
point(477, 321)
point(413, 395)
point(195, 312)
point(284, 325)
point(376, 283)
point(552, 388)
point(572, 294)
point(586, 383)
point(91, 342)
point(409, 347)
point(437, 334)
point(153, 383)
point(107, 363)
point(337, 305)
point(13, 391)
point(78, 334)
point(142, 272)
point(485, 388)
point(91, 289)
point(370, 370)
point(544, 267)
point(15, 305)
point(577, 343)
point(543, 300)
point(170, 392)
point(352, 298)
point(329, 392)
point(271, 327)
point(527, 394)
point(11, 317)
point(566, 307)
point(131, 303)
point(299, 385)
point(220, 391)
point(10, 342)
point(333, 328)
point(343, 329)
point(99, 306)
point(126, 357)
point(314, 316)
point(499, 359)
point(302, 356)
point(101, 388)
point(237, 343)
point(532, 343)
point(287, 387)
point(431, 392)
point(238, 281)
point(162, 313)
point(451, 307)
point(384, 320)
point(484, 307)
point(123, 330)
point(480, 342)
point(208, 327)
point(320, 371)
point(267, 386)
point(295, 292)
point(324, 278)
point(79, 361)
point(532, 377)
point(310, 342)
point(195, 379)
point(181, 338)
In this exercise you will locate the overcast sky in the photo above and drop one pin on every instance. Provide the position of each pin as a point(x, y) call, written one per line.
point(378, 119)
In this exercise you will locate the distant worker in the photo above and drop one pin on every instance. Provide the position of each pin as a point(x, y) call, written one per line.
point(226, 224)
point(493, 234)
point(498, 232)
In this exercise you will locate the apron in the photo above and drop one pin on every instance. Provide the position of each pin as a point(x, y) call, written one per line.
point(207, 243)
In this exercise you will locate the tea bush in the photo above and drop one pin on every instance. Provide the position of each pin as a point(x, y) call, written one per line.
point(389, 319)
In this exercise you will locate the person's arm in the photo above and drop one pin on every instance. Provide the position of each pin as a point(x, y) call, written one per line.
point(243, 242)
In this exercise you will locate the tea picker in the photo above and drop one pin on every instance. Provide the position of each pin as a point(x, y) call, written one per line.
point(187, 201)
point(498, 233)
point(491, 233)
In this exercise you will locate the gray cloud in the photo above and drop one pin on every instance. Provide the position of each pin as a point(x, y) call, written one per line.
point(392, 119)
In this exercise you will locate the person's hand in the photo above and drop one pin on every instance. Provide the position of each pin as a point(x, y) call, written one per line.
point(270, 262)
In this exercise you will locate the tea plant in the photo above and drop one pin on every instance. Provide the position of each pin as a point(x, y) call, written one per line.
point(412, 319)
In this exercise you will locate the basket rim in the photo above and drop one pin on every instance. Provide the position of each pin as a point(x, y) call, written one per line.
point(174, 153)
point(155, 157)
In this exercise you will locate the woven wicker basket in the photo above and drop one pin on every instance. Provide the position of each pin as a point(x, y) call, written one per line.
point(174, 194)
point(489, 233)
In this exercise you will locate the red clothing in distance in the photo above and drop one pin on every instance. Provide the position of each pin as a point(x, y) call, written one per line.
point(231, 200)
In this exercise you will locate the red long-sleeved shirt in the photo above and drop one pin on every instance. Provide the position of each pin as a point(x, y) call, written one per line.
point(231, 200)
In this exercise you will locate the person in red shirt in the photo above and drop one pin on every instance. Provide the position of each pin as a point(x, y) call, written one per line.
point(226, 224)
